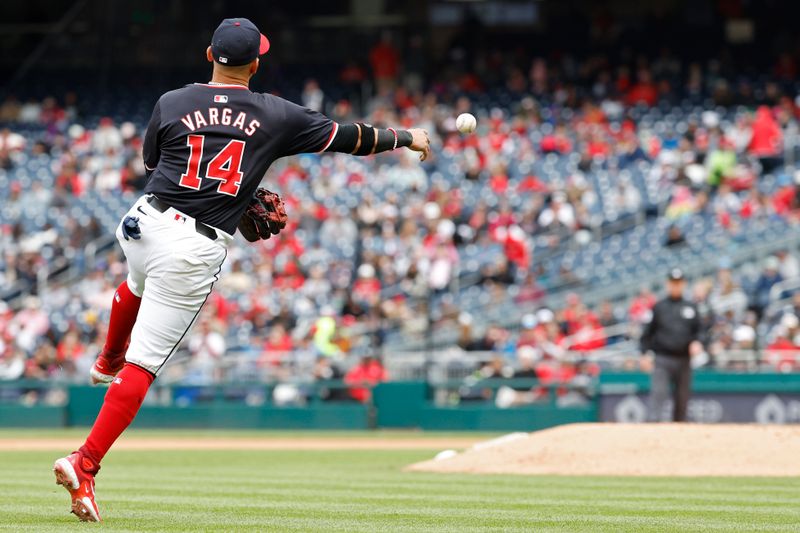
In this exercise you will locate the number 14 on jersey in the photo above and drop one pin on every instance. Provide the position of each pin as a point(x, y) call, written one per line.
point(225, 166)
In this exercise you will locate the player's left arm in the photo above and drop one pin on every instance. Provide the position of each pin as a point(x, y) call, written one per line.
point(310, 131)
point(151, 152)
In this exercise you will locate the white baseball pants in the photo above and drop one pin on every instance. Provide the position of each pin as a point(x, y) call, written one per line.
point(173, 269)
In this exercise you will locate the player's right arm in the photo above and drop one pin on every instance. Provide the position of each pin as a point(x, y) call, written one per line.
point(310, 131)
point(363, 139)
point(151, 152)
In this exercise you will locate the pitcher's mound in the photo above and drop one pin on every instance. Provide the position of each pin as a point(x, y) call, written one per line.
point(633, 450)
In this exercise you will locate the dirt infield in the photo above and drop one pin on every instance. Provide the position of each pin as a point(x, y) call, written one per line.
point(634, 450)
point(248, 443)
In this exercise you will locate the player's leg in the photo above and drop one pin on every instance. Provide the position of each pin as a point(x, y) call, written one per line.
point(181, 267)
point(683, 378)
point(659, 388)
point(178, 284)
point(76, 471)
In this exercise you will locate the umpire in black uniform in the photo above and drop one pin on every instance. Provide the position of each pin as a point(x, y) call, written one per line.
point(673, 335)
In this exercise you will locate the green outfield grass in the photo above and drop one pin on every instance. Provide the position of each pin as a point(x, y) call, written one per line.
point(367, 491)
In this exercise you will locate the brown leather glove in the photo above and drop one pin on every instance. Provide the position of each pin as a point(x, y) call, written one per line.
point(264, 217)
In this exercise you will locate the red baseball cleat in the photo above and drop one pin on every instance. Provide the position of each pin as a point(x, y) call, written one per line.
point(106, 366)
point(76, 474)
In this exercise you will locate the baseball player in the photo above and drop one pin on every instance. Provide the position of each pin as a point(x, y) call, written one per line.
point(206, 149)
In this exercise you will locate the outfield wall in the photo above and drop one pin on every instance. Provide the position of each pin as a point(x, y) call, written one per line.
point(717, 397)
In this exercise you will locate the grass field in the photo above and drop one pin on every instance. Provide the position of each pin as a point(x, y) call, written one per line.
point(366, 490)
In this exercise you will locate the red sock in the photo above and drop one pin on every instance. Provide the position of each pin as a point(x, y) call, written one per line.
point(122, 402)
point(124, 309)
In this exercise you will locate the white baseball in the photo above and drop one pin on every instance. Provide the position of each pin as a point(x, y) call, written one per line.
point(466, 123)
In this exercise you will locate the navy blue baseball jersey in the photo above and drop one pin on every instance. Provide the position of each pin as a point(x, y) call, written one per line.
point(207, 147)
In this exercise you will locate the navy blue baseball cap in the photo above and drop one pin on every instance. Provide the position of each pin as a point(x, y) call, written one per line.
point(237, 42)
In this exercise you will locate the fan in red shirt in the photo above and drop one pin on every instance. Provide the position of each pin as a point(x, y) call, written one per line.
point(767, 136)
point(644, 92)
point(291, 277)
point(558, 141)
point(69, 180)
point(278, 344)
point(641, 309)
point(501, 220)
point(782, 352)
point(292, 172)
point(585, 330)
point(784, 199)
point(384, 60)
point(366, 374)
point(531, 183)
point(516, 248)
point(285, 244)
point(498, 182)
point(367, 287)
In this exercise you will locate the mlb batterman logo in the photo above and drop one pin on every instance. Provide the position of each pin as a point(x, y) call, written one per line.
point(221, 98)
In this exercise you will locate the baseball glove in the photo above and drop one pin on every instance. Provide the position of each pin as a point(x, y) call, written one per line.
point(264, 217)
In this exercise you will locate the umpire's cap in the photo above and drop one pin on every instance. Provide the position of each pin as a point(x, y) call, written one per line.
point(675, 274)
point(237, 42)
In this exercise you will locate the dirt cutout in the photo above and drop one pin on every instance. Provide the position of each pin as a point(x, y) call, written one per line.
point(633, 450)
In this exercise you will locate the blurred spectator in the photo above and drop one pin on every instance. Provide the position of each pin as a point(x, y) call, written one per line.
point(43, 364)
point(585, 331)
point(495, 339)
point(107, 137)
point(644, 92)
point(29, 325)
point(325, 371)
point(277, 347)
point(626, 198)
point(385, 63)
point(69, 351)
point(789, 265)
point(727, 296)
point(766, 141)
point(363, 376)
point(721, 163)
point(768, 278)
point(675, 236)
point(782, 352)
point(313, 97)
point(30, 112)
point(559, 214)
point(641, 308)
point(325, 335)
point(10, 109)
point(11, 142)
point(207, 346)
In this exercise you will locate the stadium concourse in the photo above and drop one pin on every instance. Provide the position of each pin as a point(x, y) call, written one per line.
point(545, 233)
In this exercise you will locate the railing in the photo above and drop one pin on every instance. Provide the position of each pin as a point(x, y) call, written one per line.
point(787, 285)
point(623, 330)
point(70, 270)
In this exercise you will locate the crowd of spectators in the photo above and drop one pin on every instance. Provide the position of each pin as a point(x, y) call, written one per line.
point(352, 268)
